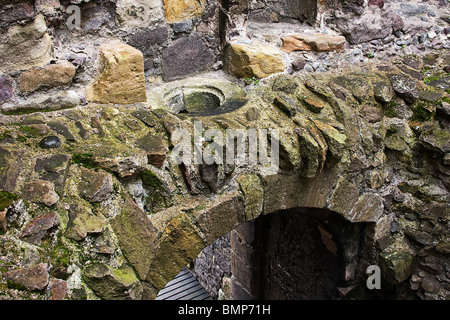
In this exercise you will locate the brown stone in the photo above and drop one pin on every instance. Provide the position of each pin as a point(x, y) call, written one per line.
point(39, 227)
point(253, 60)
point(122, 77)
point(225, 214)
point(96, 186)
point(312, 42)
point(58, 289)
point(33, 278)
point(40, 191)
point(51, 75)
point(3, 222)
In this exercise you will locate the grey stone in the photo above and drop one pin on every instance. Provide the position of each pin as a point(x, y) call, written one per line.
point(55, 101)
point(113, 284)
point(96, 186)
point(183, 26)
point(6, 88)
point(184, 57)
point(50, 142)
point(405, 87)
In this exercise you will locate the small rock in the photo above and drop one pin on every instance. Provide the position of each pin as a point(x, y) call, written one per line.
point(96, 186)
point(6, 88)
point(51, 75)
point(58, 289)
point(3, 222)
point(113, 284)
point(378, 3)
point(32, 279)
point(40, 191)
point(39, 227)
point(314, 105)
point(83, 222)
point(145, 116)
point(430, 284)
point(10, 166)
point(50, 142)
point(405, 87)
point(155, 148)
point(443, 110)
point(298, 64)
point(398, 266)
point(183, 26)
point(62, 129)
point(312, 42)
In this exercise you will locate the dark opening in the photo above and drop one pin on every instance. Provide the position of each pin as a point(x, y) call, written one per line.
point(296, 258)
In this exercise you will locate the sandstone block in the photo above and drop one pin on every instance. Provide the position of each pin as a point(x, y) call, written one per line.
point(121, 79)
point(25, 47)
point(179, 10)
point(253, 60)
point(51, 75)
point(312, 42)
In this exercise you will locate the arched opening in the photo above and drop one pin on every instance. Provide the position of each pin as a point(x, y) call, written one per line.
point(294, 254)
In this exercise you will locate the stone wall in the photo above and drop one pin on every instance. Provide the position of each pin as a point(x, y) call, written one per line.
point(89, 117)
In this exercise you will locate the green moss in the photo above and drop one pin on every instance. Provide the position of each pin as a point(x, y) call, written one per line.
point(6, 199)
point(149, 179)
point(391, 131)
point(445, 99)
point(435, 77)
point(420, 113)
point(85, 159)
point(390, 111)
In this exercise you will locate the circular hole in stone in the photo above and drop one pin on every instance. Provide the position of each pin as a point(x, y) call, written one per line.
point(202, 100)
point(198, 102)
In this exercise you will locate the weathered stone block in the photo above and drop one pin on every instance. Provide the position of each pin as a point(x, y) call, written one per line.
point(51, 75)
point(41, 192)
point(25, 47)
point(344, 197)
point(113, 284)
point(137, 236)
point(31, 278)
point(180, 243)
point(122, 77)
point(10, 165)
point(312, 42)
point(96, 186)
point(39, 227)
point(155, 148)
point(137, 13)
point(224, 215)
point(184, 57)
point(6, 88)
point(253, 60)
point(83, 221)
point(397, 266)
point(250, 185)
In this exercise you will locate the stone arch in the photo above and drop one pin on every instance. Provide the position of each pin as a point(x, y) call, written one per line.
point(187, 231)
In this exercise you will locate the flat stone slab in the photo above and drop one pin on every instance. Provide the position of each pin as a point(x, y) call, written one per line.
point(312, 42)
